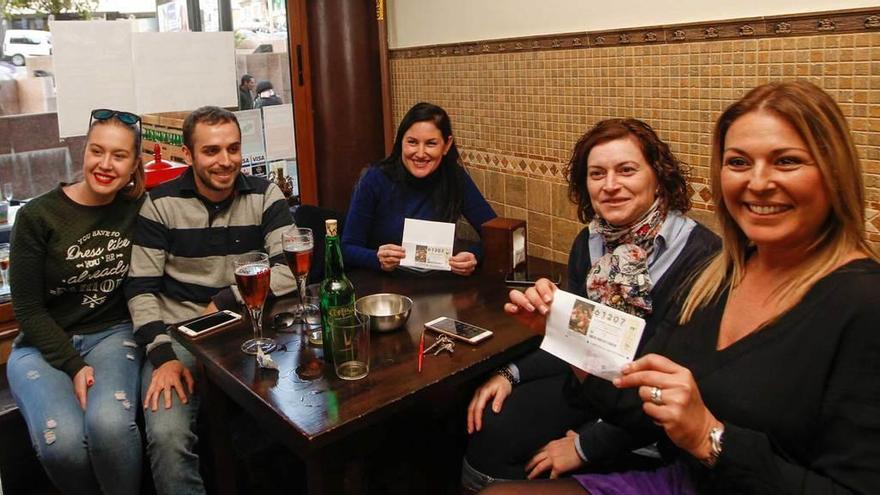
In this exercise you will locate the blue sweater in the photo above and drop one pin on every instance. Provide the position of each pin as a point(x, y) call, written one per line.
point(379, 207)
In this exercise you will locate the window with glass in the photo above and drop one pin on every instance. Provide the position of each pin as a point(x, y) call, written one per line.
point(34, 157)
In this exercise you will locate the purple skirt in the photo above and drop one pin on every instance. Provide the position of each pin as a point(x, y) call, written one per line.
point(669, 480)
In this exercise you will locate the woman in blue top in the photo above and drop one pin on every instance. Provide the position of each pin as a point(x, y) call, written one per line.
point(420, 179)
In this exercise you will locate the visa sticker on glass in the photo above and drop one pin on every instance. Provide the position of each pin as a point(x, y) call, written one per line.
point(591, 336)
point(428, 244)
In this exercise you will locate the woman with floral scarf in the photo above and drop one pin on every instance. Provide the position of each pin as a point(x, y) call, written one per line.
point(636, 255)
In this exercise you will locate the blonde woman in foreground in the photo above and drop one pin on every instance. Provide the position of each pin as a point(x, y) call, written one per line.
point(770, 381)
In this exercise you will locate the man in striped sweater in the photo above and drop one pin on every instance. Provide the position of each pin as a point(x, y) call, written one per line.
point(188, 232)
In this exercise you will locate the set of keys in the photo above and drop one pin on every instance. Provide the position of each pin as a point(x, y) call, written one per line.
point(443, 343)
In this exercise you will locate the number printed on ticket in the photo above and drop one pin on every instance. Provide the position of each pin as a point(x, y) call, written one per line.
point(591, 336)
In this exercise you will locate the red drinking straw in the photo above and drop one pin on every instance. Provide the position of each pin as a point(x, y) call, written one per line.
point(421, 350)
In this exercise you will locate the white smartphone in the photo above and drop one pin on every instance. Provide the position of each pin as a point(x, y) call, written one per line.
point(209, 323)
point(459, 330)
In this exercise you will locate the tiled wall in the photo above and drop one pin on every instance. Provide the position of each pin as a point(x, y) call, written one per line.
point(517, 115)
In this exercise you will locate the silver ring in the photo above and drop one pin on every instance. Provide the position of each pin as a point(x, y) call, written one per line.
point(657, 396)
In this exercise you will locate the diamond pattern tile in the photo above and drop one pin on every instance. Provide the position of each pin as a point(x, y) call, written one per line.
point(705, 194)
point(873, 227)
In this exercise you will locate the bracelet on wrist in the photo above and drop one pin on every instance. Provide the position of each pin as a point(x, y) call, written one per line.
point(716, 442)
point(505, 372)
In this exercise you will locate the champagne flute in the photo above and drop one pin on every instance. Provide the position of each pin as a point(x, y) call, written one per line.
point(299, 245)
point(298, 255)
point(7, 191)
point(252, 277)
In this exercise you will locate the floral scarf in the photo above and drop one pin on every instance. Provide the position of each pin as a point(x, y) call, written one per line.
point(620, 278)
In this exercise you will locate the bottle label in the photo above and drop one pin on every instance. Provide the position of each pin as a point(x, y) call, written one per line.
point(340, 312)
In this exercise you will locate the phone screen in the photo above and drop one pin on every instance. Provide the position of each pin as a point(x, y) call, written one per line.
point(458, 327)
point(210, 321)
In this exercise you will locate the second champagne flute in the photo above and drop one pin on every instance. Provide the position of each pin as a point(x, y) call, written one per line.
point(299, 244)
point(252, 274)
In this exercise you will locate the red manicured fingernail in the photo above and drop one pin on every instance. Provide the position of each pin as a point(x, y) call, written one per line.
point(90, 382)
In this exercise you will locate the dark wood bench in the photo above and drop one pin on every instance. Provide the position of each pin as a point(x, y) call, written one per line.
point(8, 408)
point(19, 468)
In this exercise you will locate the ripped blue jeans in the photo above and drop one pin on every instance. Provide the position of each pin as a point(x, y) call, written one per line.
point(93, 451)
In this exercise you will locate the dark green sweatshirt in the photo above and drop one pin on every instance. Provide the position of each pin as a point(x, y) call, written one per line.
point(67, 264)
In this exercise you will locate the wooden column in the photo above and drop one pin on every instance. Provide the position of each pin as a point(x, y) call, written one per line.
point(346, 93)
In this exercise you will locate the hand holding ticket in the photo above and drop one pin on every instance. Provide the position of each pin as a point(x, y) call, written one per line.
point(591, 336)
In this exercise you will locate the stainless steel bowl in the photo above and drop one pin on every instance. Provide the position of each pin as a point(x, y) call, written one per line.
point(387, 311)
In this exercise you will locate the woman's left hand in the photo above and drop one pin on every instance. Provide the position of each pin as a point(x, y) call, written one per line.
point(463, 263)
point(671, 397)
point(82, 380)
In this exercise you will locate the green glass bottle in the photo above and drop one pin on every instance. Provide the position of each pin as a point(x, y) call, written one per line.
point(337, 292)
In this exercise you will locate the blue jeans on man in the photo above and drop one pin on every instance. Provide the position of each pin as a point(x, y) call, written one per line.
point(171, 435)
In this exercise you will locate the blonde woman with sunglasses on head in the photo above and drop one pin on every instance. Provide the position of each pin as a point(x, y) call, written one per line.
point(75, 368)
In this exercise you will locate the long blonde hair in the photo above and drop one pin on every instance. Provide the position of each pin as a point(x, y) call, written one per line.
point(820, 123)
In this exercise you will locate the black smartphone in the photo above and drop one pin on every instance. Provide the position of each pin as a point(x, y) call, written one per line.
point(528, 279)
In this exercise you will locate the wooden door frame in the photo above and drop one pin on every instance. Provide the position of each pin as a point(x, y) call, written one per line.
point(301, 87)
point(385, 72)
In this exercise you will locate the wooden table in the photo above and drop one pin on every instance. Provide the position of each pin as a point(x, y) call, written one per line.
point(8, 330)
point(318, 420)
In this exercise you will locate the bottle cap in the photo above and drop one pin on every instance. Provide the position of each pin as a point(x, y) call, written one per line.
point(331, 227)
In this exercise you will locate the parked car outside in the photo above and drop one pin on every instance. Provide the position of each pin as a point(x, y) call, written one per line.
point(21, 43)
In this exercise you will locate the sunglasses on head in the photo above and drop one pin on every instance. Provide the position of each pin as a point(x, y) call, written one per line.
point(127, 118)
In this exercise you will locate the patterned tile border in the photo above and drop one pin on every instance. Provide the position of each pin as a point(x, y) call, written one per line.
point(872, 223)
point(549, 170)
point(832, 22)
point(699, 189)
point(515, 165)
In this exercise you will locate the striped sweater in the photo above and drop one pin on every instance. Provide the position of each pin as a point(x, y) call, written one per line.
point(183, 252)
